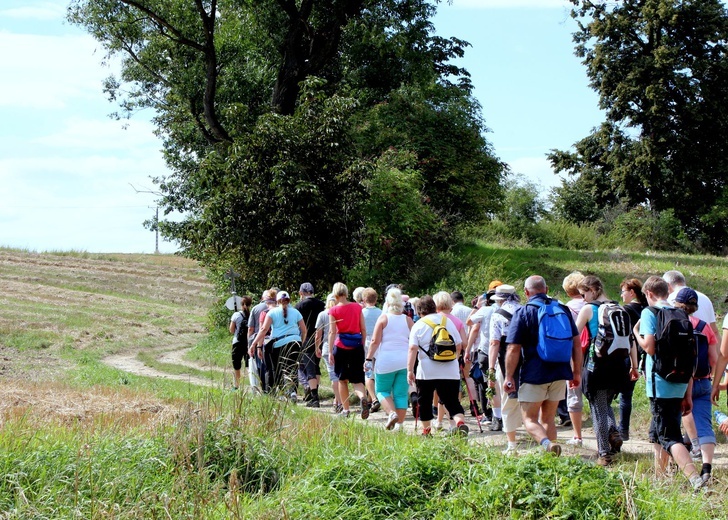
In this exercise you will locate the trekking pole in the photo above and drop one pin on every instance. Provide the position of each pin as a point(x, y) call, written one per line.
point(470, 398)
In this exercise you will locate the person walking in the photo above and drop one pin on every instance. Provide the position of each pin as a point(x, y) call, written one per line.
point(390, 344)
point(288, 333)
point(322, 346)
point(309, 369)
point(433, 376)
point(239, 330)
point(347, 334)
point(634, 303)
point(542, 382)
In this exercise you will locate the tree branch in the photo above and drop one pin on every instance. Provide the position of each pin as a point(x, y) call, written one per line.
point(164, 23)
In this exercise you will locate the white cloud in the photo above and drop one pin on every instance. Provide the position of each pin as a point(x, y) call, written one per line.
point(510, 4)
point(47, 72)
point(41, 11)
point(91, 135)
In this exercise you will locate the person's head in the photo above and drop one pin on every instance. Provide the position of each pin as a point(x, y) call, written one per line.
point(457, 297)
point(246, 302)
point(357, 295)
point(443, 302)
point(631, 289)
point(504, 293)
point(495, 283)
point(306, 290)
point(687, 299)
point(591, 288)
point(674, 279)
point(395, 305)
point(535, 284)
point(655, 289)
point(413, 302)
point(571, 283)
point(369, 296)
point(330, 301)
point(269, 296)
point(340, 291)
point(426, 305)
point(283, 299)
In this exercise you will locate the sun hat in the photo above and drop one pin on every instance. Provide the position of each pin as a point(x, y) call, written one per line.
point(503, 292)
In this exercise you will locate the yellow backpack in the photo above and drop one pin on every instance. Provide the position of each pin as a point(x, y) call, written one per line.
point(442, 345)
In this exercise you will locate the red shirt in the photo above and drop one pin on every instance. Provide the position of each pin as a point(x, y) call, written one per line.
point(348, 319)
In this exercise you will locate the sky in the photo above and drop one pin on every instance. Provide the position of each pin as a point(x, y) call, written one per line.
point(72, 178)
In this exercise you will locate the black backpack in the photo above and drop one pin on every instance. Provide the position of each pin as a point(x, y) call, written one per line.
point(503, 347)
point(676, 350)
point(703, 365)
point(241, 335)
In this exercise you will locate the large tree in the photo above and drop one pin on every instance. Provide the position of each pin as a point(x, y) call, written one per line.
point(660, 68)
point(274, 115)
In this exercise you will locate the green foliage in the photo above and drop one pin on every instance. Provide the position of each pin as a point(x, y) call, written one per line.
point(661, 230)
point(660, 68)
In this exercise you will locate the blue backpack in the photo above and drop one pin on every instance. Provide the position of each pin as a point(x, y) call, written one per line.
point(555, 334)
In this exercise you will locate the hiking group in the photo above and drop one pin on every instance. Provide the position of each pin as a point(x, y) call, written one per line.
point(524, 363)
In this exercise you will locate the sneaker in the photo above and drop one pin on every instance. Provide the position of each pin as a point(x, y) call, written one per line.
point(344, 413)
point(313, 403)
point(697, 482)
point(706, 478)
point(461, 429)
point(398, 428)
point(604, 460)
point(307, 395)
point(696, 454)
point(415, 401)
point(366, 406)
point(496, 425)
point(510, 450)
point(233, 388)
point(437, 425)
point(565, 421)
point(427, 432)
point(391, 421)
point(376, 405)
point(575, 441)
point(338, 407)
point(615, 441)
point(293, 397)
point(554, 449)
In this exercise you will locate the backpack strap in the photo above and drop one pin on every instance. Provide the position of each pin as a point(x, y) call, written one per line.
point(699, 327)
point(507, 315)
point(431, 323)
point(654, 310)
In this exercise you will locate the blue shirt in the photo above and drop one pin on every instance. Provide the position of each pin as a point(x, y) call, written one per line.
point(524, 331)
point(280, 328)
point(665, 389)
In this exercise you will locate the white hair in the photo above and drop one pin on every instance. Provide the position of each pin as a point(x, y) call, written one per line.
point(395, 304)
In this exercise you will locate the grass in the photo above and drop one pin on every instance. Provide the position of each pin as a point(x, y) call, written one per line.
point(80, 439)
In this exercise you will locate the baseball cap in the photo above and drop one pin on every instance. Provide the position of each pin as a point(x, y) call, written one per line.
point(494, 284)
point(306, 288)
point(283, 295)
point(687, 295)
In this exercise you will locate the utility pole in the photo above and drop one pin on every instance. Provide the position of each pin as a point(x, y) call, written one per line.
point(156, 216)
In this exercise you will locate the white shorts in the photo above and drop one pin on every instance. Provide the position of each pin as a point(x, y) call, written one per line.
point(555, 391)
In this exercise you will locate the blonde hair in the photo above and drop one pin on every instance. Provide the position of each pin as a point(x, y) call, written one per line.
point(340, 289)
point(330, 301)
point(358, 292)
point(395, 304)
point(443, 301)
point(571, 284)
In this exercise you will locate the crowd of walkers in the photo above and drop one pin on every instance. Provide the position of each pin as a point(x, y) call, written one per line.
point(520, 361)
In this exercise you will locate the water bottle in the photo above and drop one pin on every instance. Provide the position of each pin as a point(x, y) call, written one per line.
point(368, 372)
point(720, 417)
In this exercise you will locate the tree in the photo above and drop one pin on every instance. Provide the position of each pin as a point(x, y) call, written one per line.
point(661, 70)
point(268, 111)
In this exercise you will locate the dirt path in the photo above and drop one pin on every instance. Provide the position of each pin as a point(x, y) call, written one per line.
point(129, 363)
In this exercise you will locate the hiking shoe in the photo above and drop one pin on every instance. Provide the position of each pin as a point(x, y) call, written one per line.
point(427, 432)
point(338, 407)
point(376, 406)
point(575, 441)
point(697, 482)
point(554, 449)
point(615, 441)
point(496, 425)
point(313, 403)
point(391, 421)
point(366, 406)
point(307, 395)
point(461, 430)
point(604, 460)
point(415, 402)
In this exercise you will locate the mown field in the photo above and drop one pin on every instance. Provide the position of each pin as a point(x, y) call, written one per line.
point(80, 438)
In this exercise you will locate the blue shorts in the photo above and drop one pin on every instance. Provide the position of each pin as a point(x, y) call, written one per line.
point(394, 385)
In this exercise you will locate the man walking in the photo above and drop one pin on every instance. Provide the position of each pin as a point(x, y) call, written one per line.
point(542, 382)
point(309, 368)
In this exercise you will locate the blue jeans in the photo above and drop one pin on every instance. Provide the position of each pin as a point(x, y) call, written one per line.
point(702, 410)
point(625, 408)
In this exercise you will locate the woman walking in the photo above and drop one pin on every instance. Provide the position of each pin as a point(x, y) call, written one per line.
point(432, 375)
point(347, 334)
point(322, 348)
point(390, 343)
point(603, 377)
point(287, 336)
point(634, 302)
point(239, 330)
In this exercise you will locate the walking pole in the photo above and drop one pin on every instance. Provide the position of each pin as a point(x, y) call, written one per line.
point(470, 398)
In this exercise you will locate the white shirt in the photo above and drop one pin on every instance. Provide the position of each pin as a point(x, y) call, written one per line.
point(420, 336)
point(705, 310)
point(483, 316)
point(462, 312)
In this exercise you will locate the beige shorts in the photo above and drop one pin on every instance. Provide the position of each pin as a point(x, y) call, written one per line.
point(528, 393)
point(510, 409)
